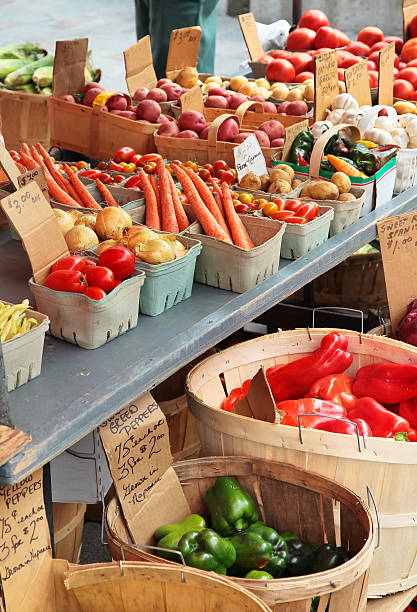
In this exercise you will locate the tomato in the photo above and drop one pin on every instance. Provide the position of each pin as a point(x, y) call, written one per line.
point(409, 50)
point(234, 172)
point(327, 37)
point(105, 178)
point(371, 65)
point(313, 19)
point(304, 76)
point(242, 208)
point(133, 181)
point(270, 208)
point(183, 198)
point(102, 277)
point(119, 259)
point(301, 39)
point(259, 204)
point(373, 78)
point(93, 174)
point(73, 281)
point(87, 265)
point(280, 203)
point(136, 159)
point(403, 89)
point(293, 205)
point(282, 215)
point(124, 154)
point(228, 177)
point(192, 165)
point(204, 174)
point(341, 74)
point(280, 70)
point(218, 165)
point(150, 157)
point(95, 293)
point(103, 165)
point(395, 72)
point(302, 62)
point(265, 59)
point(149, 168)
point(351, 61)
point(297, 220)
point(81, 164)
point(113, 166)
point(358, 48)
point(117, 283)
point(209, 167)
point(70, 262)
point(245, 198)
point(370, 35)
point(398, 43)
point(130, 168)
point(282, 53)
point(309, 211)
point(412, 433)
point(378, 46)
point(72, 168)
point(410, 75)
point(118, 178)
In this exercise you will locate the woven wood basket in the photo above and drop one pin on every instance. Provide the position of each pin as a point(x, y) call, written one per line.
point(68, 530)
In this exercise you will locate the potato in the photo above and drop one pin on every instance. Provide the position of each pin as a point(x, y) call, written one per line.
point(346, 197)
point(342, 182)
point(342, 87)
point(250, 181)
point(295, 94)
point(261, 91)
point(295, 183)
point(404, 107)
point(214, 79)
point(248, 89)
point(262, 83)
point(279, 186)
point(305, 191)
point(265, 181)
point(321, 190)
point(280, 91)
point(187, 78)
point(309, 92)
point(287, 169)
point(207, 86)
point(237, 82)
point(278, 174)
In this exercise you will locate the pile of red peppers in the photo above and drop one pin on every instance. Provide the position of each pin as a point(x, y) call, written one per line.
point(381, 401)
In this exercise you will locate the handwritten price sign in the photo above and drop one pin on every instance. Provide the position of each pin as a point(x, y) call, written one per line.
point(38, 175)
point(326, 85)
point(250, 34)
point(183, 49)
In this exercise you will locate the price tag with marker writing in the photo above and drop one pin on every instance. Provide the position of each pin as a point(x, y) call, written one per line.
point(249, 157)
point(250, 34)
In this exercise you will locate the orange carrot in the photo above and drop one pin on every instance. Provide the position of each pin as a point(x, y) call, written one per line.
point(152, 215)
point(155, 187)
point(28, 161)
point(240, 235)
point(85, 196)
point(208, 222)
point(180, 213)
point(208, 199)
point(217, 189)
point(58, 178)
point(106, 193)
point(25, 149)
point(55, 190)
point(168, 218)
point(34, 153)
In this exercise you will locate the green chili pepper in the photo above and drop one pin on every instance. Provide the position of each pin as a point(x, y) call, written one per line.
point(303, 146)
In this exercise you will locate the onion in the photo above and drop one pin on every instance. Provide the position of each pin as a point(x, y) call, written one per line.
point(81, 238)
point(74, 214)
point(65, 222)
point(105, 245)
point(140, 237)
point(180, 249)
point(156, 251)
point(407, 330)
point(89, 220)
point(111, 222)
point(127, 217)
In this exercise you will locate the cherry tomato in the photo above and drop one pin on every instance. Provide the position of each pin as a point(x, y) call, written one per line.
point(412, 435)
point(105, 178)
point(235, 195)
point(204, 174)
point(95, 293)
point(70, 262)
point(92, 173)
point(192, 165)
point(150, 157)
point(209, 167)
point(73, 281)
point(220, 173)
point(118, 178)
point(124, 154)
point(119, 259)
point(220, 164)
point(133, 181)
point(113, 166)
point(81, 164)
point(269, 208)
point(294, 205)
point(282, 215)
point(130, 168)
point(228, 177)
point(102, 277)
point(259, 204)
point(280, 203)
point(298, 220)
point(242, 208)
point(245, 198)
point(309, 211)
point(72, 168)
point(149, 168)
point(103, 165)
point(117, 283)
point(87, 265)
point(136, 159)
point(183, 198)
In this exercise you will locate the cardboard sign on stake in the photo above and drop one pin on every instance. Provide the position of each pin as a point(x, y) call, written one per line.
point(184, 46)
point(259, 402)
point(69, 66)
point(249, 157)
point(398, 240)
point(409, 11)
point(139, 66)
point(38, 175)
point(250, 34)
point(37, 226)
point(8, 165)
point(291, 133)
point(136, 442)
point(192, 100)
point(26, 567)
point(326, 83)
point(386, 75)
point(357, 83)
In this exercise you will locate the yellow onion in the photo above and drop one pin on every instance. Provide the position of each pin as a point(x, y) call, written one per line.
point(89, 220)
point(140, 237)
point(105, 245)
point(156, 251)
point(65, 222)
point(128, 218)
point(74, 214)
point(81, 238)
point(180, 249)
point(110, 223)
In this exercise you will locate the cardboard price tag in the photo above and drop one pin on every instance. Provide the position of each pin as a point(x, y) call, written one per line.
point(36, 224)
point(249, 157)
point(184, 46)
point(357, 83)
point(139, 65)
point(38, 175)
point(386, 75)
point(326, 83)
point(409, 11)
point(8, 165)
point(250, 34)
point(25, 548)
point(192, 100)
point(136, 442)
point(259, 402)
point(69, 66)
point(291, 133)
point(398, 240)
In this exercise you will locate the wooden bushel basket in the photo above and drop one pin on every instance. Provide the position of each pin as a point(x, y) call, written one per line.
point(24, 118)
point(389, 468)
point(156, 587)
point(288, 498)
point(68, 530)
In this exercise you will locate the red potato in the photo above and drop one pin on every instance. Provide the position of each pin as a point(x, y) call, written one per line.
point(203, 135)
point(358, 48)
point(90, 96)
point(277, 142)
point(262, 138)
point(149, 110)
point(191, 120)
point(92, 85)
point(228, 130)
point(124, 113)
point(297, 107)
point(163, 119)
point(257, 98)
point(67, 98)
point(172, 90)
point(106, 110)
point(168, 129)
point(216, 102)
point(282, 108)
point(117, 102)
point(187, 134)
point(219, 91)
point(273, 129)
point(269, 107)
point(140, 94)
point(164, 81)
point(236, 100)
point(241, 137)
point(157, 94)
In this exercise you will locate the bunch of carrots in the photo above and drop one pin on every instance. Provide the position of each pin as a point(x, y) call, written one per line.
point(69, 191)
point(164, 209)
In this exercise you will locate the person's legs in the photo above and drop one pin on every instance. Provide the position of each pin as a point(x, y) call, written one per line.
point(142, 18)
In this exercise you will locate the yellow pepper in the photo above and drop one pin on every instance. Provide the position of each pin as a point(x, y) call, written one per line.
point(368, 144)
point(102, 98)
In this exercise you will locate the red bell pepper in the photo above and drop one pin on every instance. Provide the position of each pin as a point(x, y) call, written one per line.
point(309, 405)
point(345, 427)
point(388, 383)
point(408, 410)
point(294, 379)
point(383, 422)
point(335, 388)
point(236, 395)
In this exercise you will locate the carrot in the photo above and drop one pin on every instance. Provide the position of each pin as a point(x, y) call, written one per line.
point(180, 213)
point(217, 189)
point(208, 222)
point(155, 187)
point(28, 161)
point(152, 215)
point(342, 166)
point(240, 235)
point(85, 196)
point(25, 149)
point(55, 190)
point(34, 153)
point(168, 218)
point(208, 199)
point(58, 178)
point(106, 193)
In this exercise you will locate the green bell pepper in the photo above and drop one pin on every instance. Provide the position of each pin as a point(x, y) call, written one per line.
point(231, 507)
point(301, 147)
point(168, 536)
point(259, 575)
point(259, 547)
point(207, 550)
point(280, 556)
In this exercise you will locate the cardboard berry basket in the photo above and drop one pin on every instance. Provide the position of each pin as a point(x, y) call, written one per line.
point(301, 239)
point(128, 199)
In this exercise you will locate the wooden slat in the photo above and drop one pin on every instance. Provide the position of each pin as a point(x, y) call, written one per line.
point(12, 442)
point(392, 603)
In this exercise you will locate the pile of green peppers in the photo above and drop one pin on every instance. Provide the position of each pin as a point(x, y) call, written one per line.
point(238, 544)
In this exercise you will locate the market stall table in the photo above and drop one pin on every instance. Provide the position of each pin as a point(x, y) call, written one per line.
point(78, 389)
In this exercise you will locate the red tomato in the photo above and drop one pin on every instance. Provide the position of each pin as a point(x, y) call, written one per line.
point(342, 56)
point(294, 205)
point(280, 203)
point(102, 277)
point(218, 165)
point(95, 293)
point(373, 78)
point(344, 39)
point(209, 167)
point(309, 211)
point(204, 174)
point(302, 62)
point(351, 61)
point(73, 281)
point(371, 65)
point(113, 166)
point(136, 159)
point(150, 157)
point(398, 43)
point(370, 35)
point(282, 54)
point(304, 76)
point(358, 48)
point(318, 51)
point(93, 174)
point(413, 98)
point(411, 64)
point(228, 177)
point(266, 59)
point(70, 262)
point(301, 39)
point(327, 37)
point(412, 27)
point(124, 154)
point(313, 19)
point(412, 435)
point(395, 72)
point(409, 51)
point(297, 220)
point(410, 75)
point(242, 208)
point(374, 57)
point(280, 70)
point(119, 178)
point(341, 74)
point(403, 89)
point(282, 215)
point(105, 178)
point(119, 259)
point(378, 46)
point(87, 265)
point(117, 283)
